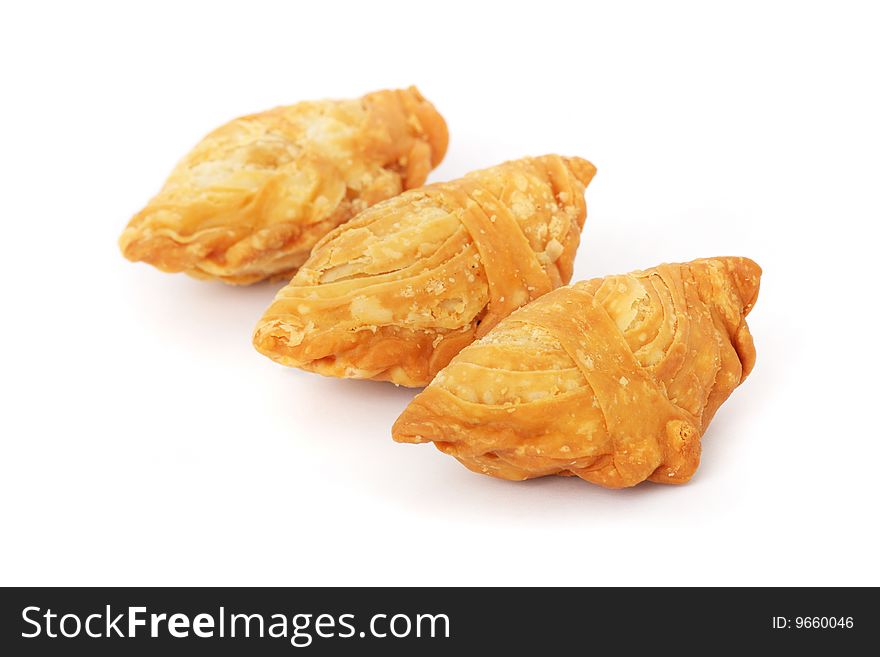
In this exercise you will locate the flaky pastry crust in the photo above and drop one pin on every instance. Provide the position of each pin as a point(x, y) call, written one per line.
point(613, 380)
point(395, 293)
point(254, 196)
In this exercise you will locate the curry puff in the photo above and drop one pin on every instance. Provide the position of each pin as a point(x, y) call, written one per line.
point(252, 198)
point(395, 293)
point(613, 380)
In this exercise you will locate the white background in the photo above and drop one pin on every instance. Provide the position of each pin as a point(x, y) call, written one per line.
point(144, 441)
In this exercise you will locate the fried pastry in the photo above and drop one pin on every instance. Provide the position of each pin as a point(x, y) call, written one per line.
point(613, 380)
point(395, 293)
point(252, 198)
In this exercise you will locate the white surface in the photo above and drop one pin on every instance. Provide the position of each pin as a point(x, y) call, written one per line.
point(144, 441)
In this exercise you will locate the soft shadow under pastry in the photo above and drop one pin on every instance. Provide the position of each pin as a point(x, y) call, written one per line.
point(252, 198)
point(613, 380)
point(395, 293)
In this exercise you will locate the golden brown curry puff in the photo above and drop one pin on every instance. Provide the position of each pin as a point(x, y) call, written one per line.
point(395, 293)
point(613, 380)
point(252, 198)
